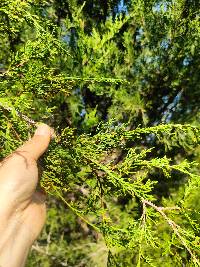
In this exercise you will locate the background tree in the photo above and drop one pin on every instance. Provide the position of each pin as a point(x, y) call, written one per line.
point(112, 78)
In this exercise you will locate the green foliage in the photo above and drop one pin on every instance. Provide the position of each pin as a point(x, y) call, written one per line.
point(122, 172)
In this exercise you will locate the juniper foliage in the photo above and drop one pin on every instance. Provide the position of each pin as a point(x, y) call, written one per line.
point(121, 173)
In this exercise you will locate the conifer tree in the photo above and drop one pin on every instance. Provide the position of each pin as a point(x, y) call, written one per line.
point(118, 81)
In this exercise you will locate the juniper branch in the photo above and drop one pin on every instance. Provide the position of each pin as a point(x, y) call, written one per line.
point(19, 114)
point(173, 225)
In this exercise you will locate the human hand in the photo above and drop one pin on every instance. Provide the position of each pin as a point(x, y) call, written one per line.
point(22, 207)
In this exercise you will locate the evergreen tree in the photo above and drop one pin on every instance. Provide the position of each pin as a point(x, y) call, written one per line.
point(113, 78)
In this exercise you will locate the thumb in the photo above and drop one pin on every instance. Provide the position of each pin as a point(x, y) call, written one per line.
point(39, 143)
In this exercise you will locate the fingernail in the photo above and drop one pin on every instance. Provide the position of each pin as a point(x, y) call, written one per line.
point(43, 129)
point(53, 134)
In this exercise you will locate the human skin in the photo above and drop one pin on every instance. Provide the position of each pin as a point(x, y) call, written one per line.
point(22, 206)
